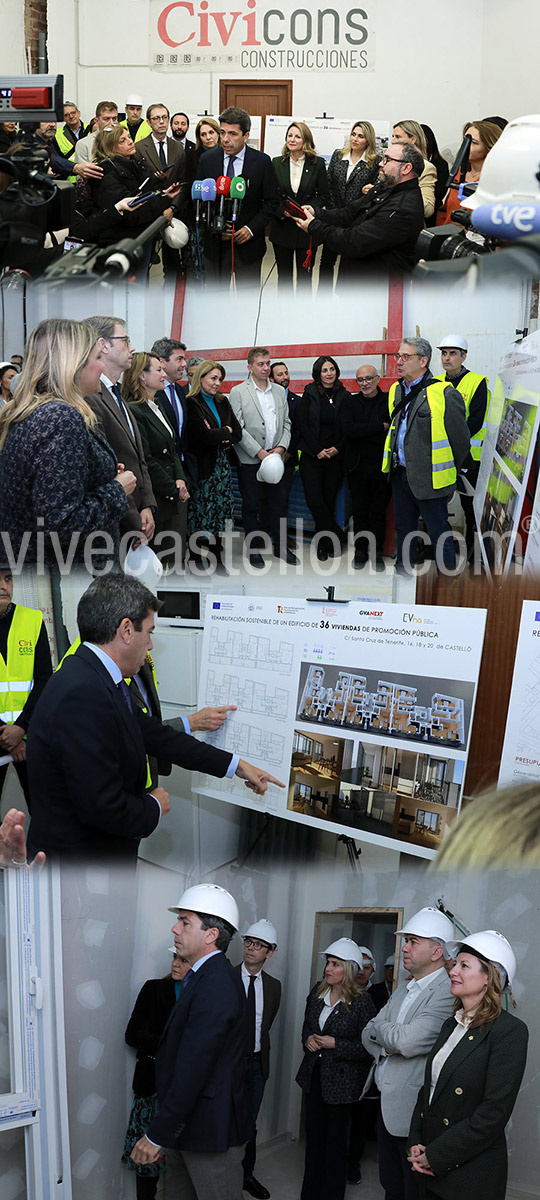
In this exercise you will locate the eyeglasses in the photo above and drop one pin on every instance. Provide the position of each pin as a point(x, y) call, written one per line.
point(252, 942)
point(388, 158)
point(405, 357)
point(119, 337)
point(366, 379)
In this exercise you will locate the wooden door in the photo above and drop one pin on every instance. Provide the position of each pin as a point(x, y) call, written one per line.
point(259, 97)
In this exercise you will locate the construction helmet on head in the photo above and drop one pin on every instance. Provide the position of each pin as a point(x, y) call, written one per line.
point(211, 899)
point(264, 931)
point(494, 948)
point(430, 923)
point(346, 949)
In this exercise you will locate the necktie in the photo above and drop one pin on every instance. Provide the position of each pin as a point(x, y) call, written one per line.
point(230, 166)
point(162, 158)
point(125, 693)
point(187, 976)
point(115, 389)
point(251, 1015)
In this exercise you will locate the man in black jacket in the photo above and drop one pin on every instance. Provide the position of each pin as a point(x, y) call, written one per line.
point(88, 743)
point(263, 994)
point(202, 1117)
point(233, 158)
point(364, 421)
point(377, 233)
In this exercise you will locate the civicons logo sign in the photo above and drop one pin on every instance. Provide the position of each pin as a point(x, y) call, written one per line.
point(255, 35)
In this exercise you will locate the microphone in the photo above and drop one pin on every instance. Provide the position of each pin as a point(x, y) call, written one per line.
point(507, 221)
point(238, 191)
point(223, 189)
point(208, 193)
point(196, 195)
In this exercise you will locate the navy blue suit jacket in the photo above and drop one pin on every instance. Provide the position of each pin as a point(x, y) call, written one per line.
point(189, 459)
point(201, 1064)
point(258, 206)
point(86, 756)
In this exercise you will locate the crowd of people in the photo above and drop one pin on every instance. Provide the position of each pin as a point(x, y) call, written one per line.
point(103, 448)
point(224, 201)
point(433, 1059)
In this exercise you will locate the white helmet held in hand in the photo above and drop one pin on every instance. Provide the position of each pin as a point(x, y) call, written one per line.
point(346, 949)
point(211, 899)
point(264, 931)
point(271, 469)
point(176, 235)
point(494, 947)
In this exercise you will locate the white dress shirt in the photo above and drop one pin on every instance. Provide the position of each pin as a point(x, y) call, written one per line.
point(259, 1003)
point(415, 987)
point(267, 402)
point(463, 1020)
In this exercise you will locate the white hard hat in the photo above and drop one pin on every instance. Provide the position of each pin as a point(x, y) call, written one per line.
point(264, 930)
point(428, 923)
point(145, 566)
point(390, 961)
point(366, 953)
point(176, 234)
point(346, 949)
point(508, 175)
point(271, 469)
point(494, 947)
point(211, 899)
point(133, 98)
point(456, 341)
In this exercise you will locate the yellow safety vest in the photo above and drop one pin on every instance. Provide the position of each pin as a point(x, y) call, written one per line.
point(143, 131)
point(467, 387)
point(17, 675)
point(67, 148)
point(74, 646)
point(443, 467)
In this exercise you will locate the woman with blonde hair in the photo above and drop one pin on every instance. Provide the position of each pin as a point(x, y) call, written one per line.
point(301, 177)
point(141, 381)
point(103, 205)
point(349, 171)
point(59, 479)
point(212, 429)
point(411, 133)
point(334, 1068)
point(457, 1146)
point(206, 135)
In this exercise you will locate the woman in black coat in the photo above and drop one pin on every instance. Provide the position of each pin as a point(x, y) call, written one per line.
point(334, 1068)
point(321, 445)
point(59, 477)
point(153, 1006)
point(143, 378)
point(473, 1074)
point(349, 170)
point(103, 214)
point(212, 429)
point(301, 176)
point(363, 422)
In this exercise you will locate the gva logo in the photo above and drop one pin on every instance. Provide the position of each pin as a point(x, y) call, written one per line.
point(410, 619)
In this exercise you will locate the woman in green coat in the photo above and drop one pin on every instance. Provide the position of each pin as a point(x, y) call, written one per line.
point(143, 378)
point(301, 176)
point(473, 1074)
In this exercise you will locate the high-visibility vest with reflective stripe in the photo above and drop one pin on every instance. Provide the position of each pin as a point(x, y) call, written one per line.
point(143, 131)
point(443, 467)
point(67, 148)
point(17, 675)
point(74, 646)
point(467, 387)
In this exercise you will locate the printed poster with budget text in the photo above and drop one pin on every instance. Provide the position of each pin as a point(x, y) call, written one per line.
point(363, 712)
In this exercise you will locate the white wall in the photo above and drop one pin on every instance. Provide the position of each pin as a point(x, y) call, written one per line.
point(442, 69)
point(12, 53)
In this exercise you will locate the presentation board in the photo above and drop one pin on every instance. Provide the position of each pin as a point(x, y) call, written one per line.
point(507, 455)
point(329, 134)
point(362, 711)
point(520, 759)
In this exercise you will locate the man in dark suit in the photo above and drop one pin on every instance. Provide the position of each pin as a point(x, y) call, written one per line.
point(233, 158)
point(164, 159)
point(202, 1117)
point(379, 232)
point(117, 424)
point(88, 743)
point(263, 994)
point(172, 356)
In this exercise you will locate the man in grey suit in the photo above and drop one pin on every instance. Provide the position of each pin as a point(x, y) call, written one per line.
point(261, 408)
point(118, 426)
point(160, 153)
point(400, 1038)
